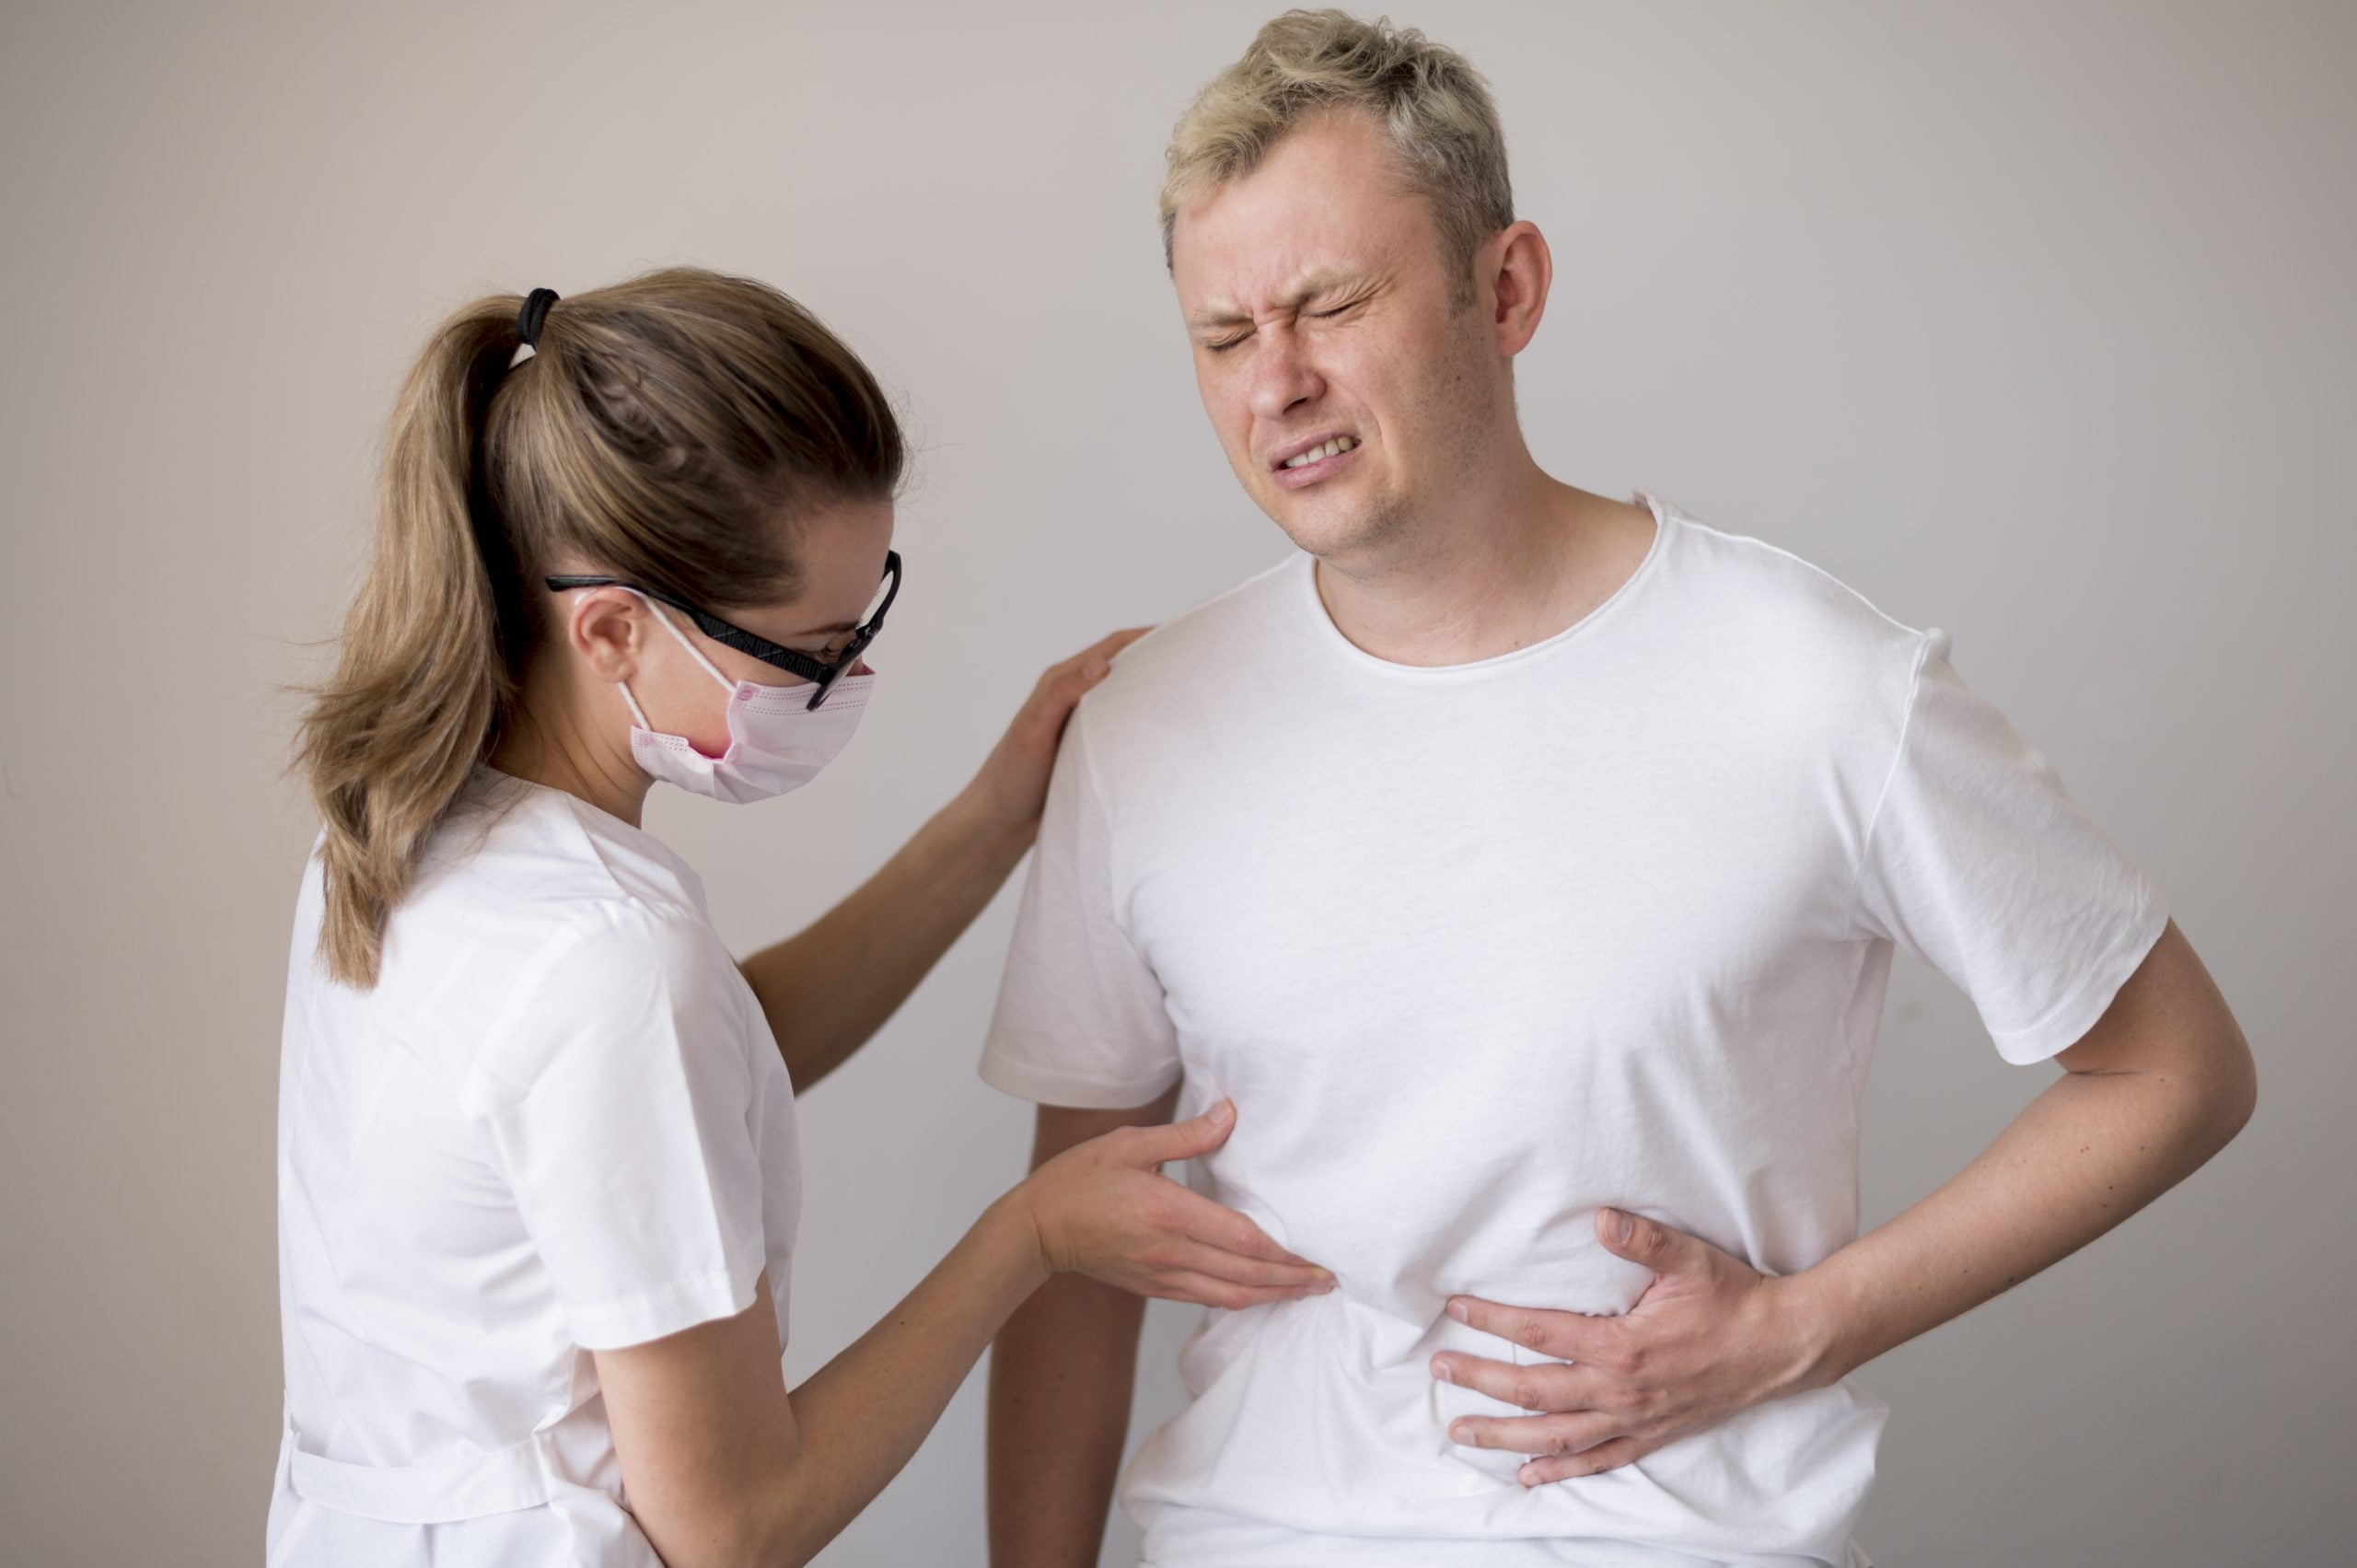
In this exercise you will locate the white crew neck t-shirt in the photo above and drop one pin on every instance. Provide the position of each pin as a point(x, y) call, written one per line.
point(1477, 948)
point(559, 1123)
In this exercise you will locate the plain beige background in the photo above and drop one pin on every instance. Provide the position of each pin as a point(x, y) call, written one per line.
point(2030, 320)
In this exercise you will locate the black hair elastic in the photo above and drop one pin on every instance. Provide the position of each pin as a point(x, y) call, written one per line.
point(535, 311)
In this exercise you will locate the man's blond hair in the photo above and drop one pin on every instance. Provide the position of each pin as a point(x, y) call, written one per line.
point(1430, 101)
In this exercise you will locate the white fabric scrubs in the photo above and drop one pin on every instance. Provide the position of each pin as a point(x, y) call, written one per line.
point(559, 1123)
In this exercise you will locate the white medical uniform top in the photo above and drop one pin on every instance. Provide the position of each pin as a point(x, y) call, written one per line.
point(1606, 920)
point(558, 1124)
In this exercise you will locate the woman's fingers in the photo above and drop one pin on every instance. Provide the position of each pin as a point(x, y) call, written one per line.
point(1185, 1140)
point(1223, 1227)
point(1171, 1241)
point(1297, 1278)
point(1062, 685)
point(1104, 651)
point(1090, 665)
point(1207, 1290)
point(1072, 677)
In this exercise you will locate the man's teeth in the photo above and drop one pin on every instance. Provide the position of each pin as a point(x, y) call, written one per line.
point(1339, 444)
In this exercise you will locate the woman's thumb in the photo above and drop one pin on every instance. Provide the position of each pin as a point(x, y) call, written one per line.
point(1196, 1135)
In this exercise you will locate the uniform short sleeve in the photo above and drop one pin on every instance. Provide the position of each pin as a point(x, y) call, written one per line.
point(1978, 862)
point(624, 1119)
point(1081, 1019)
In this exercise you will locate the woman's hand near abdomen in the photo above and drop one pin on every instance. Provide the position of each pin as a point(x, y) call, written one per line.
point(724, 1466)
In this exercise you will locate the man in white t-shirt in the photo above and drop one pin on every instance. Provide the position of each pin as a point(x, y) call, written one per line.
point(1528, 865)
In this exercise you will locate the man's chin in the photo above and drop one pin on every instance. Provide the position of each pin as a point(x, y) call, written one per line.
point(1324, 528)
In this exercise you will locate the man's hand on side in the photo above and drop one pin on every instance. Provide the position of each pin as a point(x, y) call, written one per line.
point(1710, 1336)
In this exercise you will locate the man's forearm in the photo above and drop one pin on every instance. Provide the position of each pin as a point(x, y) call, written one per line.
point(1062, 1373)
point(827, 990)
point(2080, 1158)
point(2163, 1085)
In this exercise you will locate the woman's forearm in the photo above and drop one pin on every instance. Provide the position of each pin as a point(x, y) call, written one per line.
point(862, 1416)
point(828, 990)
point(727, 1469)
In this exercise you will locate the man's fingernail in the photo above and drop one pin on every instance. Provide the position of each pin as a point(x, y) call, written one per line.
point(1458, 1434)
point(1620, 1224)
point(1458, 1310)
point(1440, 1370)
point(1224, 1111)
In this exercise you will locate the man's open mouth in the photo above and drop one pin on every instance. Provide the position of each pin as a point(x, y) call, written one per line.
point(1333, 446)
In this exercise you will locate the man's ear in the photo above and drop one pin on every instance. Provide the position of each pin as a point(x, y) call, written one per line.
point(1521, 269)
point(605, 628)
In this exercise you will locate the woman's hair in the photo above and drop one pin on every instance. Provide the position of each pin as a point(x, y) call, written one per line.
point(673, 430)
point(1430, 101)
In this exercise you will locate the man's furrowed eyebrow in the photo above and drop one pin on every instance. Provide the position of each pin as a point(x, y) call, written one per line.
point(1206, 320)
point(1302, 293)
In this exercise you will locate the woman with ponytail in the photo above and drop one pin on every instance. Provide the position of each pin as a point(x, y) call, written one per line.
point(538, 1173)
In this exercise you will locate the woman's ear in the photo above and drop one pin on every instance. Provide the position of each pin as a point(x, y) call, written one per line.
point(603, 627)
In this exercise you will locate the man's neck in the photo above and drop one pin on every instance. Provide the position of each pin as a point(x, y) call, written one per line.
point(1516, 564)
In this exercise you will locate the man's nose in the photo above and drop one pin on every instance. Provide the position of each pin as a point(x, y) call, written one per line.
point(1281, 374)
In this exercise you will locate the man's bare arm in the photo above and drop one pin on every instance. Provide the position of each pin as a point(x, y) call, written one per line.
point(1062, 1371)
point(2163, 1082)
point(2160, 1084)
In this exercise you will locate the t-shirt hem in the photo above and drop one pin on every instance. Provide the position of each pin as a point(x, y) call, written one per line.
point(1046, 1087)
point(2068, 1023)
point(652, 1315)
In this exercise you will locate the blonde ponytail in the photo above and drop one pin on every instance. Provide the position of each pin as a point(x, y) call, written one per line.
point(667, 429)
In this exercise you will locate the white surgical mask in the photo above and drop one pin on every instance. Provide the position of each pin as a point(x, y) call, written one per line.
point(776, 742)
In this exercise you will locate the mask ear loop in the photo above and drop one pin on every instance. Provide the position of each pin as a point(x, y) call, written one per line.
point(639, 713)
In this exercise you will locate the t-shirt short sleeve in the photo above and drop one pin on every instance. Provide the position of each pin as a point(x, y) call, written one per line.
point(1080, 1018)
point(1976, 861)
point(623, 1117)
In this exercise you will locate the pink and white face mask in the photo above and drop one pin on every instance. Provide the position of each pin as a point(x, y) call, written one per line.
point(776, 742)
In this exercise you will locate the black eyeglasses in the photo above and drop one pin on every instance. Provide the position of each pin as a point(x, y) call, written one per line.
point(821, 673)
